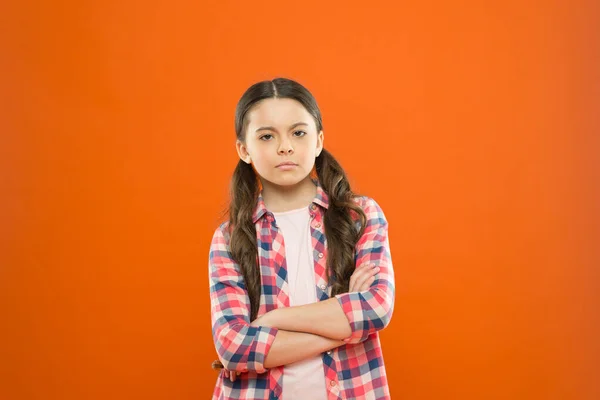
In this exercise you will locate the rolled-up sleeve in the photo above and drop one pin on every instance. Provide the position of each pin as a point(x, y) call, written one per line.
point(371, 310)
point(240, 347)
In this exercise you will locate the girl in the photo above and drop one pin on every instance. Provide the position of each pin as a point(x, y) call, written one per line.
point(301, 276)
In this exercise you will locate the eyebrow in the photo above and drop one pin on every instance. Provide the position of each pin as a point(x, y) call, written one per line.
point(270, 128)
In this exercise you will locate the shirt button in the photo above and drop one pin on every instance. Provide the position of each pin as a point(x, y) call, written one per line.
point(313, 207)
point(317, 225)
point(323, 287)
point(320, 255)
point(332, 383)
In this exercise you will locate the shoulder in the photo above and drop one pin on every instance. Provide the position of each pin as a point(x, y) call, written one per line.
point(370, 207)
point(221, 235)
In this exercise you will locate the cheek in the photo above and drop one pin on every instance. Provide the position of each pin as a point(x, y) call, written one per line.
point(262, 160)
point(309, 151)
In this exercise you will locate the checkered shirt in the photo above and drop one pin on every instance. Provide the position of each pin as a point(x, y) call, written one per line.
point(352, 371)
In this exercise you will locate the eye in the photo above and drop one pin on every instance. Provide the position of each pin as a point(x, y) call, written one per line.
point(303, 133)
point(264, 136)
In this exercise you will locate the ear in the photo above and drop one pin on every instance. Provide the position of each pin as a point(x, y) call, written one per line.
point(320, 139)
point(243, 152)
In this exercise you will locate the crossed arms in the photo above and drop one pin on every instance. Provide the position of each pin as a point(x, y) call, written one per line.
point(287, 335)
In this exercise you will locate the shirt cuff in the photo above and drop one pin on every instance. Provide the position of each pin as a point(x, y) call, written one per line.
point(260, 348)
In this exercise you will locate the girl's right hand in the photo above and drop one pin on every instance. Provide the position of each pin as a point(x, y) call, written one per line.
point(232, 375)
point(362, 278)
point(216, 365)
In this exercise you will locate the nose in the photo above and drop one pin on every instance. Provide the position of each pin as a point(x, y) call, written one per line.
point(285, 147)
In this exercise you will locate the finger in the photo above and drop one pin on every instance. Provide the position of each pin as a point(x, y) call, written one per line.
point(367, 284)
point(232, 376)
point(226, 373)
point(372, 278)
point(364, 278)
point(352, 279)
point(359, 282)
point(355, 274)
point(360, 275)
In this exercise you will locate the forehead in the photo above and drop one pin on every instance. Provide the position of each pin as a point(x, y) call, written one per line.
point(278, 113)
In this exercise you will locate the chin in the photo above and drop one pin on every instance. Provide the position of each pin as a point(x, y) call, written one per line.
point(286, 181)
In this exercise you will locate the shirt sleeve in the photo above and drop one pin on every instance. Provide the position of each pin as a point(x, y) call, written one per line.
point(240, 347)
point(371, 310)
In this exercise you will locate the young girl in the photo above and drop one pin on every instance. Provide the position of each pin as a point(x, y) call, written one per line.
point(301, 276)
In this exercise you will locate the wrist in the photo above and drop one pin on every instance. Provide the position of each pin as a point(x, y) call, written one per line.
point(265, 320)
point(270, 319)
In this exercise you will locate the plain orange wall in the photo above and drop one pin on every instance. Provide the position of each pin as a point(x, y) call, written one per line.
point(475, 126)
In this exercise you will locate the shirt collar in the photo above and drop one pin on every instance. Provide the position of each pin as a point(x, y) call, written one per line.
point(321, 199)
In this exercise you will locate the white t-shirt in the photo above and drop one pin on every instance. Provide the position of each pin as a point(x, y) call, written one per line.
point(303, 379)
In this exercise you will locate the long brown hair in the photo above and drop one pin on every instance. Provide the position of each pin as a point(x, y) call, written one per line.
point(340, 228)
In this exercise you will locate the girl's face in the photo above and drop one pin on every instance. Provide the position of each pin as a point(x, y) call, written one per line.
point(279, 131)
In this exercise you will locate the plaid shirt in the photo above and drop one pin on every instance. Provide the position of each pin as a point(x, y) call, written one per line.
point(352, 371)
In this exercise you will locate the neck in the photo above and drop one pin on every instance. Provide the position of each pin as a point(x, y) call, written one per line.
point(285, 198)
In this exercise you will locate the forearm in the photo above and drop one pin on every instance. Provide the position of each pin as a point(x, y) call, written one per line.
point(325, 318)
point(289, 347)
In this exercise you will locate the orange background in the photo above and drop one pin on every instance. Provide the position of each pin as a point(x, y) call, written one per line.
point(475, 126)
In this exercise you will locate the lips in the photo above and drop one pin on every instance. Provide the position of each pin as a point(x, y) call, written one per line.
point(286, 163)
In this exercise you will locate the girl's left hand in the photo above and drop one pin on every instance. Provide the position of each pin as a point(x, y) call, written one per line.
point(362, 278)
